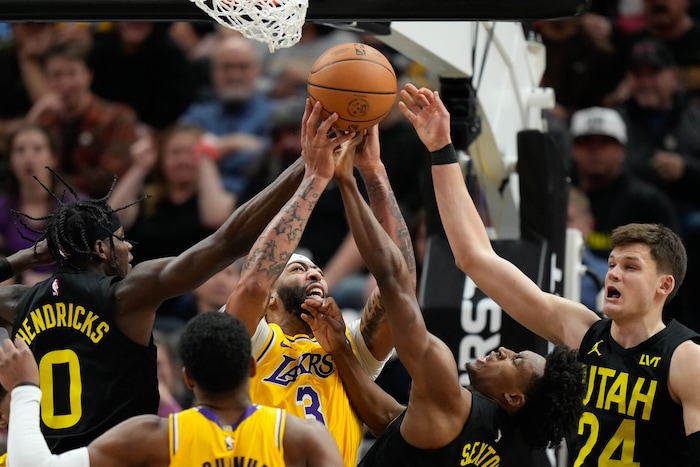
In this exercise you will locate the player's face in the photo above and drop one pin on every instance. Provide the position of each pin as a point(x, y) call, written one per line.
point(504, 372)
point(631, 282)
point(301, 279)
point(121, 260)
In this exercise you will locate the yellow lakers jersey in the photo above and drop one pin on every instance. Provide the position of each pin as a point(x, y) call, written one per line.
point(3, 460)
point(197, 438)
point(295, 373)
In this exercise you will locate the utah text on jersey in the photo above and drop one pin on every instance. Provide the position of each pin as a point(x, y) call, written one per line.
point(616, 392)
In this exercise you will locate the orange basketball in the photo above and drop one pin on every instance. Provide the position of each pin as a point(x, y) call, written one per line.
point(357, 82)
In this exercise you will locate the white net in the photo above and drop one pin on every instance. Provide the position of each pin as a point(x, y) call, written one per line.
point(278, 23)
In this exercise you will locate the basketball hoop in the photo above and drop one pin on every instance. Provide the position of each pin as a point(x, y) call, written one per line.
point(275, 22)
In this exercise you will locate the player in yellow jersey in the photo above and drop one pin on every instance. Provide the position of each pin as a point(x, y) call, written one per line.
point(224, 429)
point(294, 372)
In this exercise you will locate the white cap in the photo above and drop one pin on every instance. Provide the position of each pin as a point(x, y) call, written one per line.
point(599, 121)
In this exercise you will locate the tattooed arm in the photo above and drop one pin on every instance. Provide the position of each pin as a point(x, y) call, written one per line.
point(374, 326)
point(270, 253)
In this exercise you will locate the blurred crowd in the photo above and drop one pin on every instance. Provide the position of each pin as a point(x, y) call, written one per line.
point(194, 120)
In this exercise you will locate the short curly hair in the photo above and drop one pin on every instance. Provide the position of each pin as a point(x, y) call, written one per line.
point(215, 350)
point(554, 401)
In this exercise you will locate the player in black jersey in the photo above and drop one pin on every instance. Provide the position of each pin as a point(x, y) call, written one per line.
point(224, 429)
point(514, 397)
point(89, 325)
point(642, 405)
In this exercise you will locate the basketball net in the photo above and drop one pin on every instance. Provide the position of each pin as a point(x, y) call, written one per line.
point(275, 22)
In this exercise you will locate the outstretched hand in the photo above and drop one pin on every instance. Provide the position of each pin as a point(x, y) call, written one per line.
point(367, 156)
point(17, 363)
point(428, 114)
point(318, 143)
point(326, 322)
point(346, 155)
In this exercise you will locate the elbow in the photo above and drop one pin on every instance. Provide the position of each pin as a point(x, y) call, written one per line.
point(469, 261)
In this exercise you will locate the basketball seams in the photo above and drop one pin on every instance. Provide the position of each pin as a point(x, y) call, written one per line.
point(353, 91)
point(383, 64)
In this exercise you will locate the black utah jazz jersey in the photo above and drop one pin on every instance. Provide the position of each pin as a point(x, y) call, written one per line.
point(481, 442)
point(92, 376)
point(629, 417)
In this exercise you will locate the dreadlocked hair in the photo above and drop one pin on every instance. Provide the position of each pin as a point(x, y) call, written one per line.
point(554, 402)
point(67, 227)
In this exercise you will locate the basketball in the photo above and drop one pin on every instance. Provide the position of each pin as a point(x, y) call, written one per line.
point(357, 82)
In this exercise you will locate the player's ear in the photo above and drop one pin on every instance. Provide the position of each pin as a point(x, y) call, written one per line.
point(515, 400)
point(99, 249)
point(253, 367)
point(668, 282)
point(189, 382)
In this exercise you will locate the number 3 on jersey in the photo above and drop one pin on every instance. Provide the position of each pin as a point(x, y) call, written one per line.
point(623, 437)
point(51, 364)
point(308, 398)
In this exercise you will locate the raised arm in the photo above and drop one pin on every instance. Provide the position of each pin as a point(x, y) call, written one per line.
point(554, 318)
point(426, 358)
point(373, 326)
point(151, 282)
point(13, 265)
point(274, 247)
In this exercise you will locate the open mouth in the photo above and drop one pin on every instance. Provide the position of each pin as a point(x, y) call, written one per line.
point(612, 292)
point(315, 291)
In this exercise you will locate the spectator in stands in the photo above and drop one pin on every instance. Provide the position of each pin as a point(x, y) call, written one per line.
point(196, 39)
point(186, 197)
point(669, 22)
point(581, 67)
point(93, 135)
point(580, 217)
point(171, 386)
point(617, 197)
point(662, 127)
point(210, 296)
point(237, 115)
point(22, 81)
point(664, 149)
point(186, 202)
point(30, 151)
point(140, 65)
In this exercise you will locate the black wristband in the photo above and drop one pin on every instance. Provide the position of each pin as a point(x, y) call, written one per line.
point(446, 155)
point(5, 270)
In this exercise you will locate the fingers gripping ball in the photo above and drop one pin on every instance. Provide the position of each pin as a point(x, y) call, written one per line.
point(357, 82)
